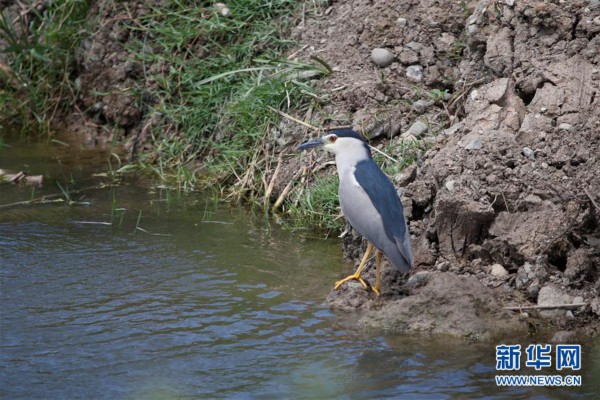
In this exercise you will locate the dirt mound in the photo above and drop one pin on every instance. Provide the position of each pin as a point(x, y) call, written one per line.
point(510, 191)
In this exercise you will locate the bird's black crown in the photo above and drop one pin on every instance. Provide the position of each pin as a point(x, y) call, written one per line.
point(348, 133)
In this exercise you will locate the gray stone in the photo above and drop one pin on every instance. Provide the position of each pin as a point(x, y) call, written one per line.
point(563, 337)
point(418, 129)
point(415, 46)
point(415, 73)
point(552, 295)
point(407, 176)
point(382, 57)
point(595, 305)
point(420, 106)
point(454, 128)
point(418, 279)
point(527, 152)
point(474, 144)
point(565, 127)
point(499, 271)
point(450, 185)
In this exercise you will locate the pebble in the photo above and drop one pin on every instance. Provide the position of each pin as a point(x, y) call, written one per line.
point(414, 46)
point(596, 20)
point(415, 73)
point(527, 152)
point(417, 130)
point(577, 300)
point(543, 109)
point(401, 21)
point(450, 185)
point(563, 337)
point(420, 106)
point(418, 279)
point(454, 128)
point(222, 9)
point(499, 271)
point(474, 144)
point(565, 127)
point(407, 176)
point(382, 57)
point(551, 295)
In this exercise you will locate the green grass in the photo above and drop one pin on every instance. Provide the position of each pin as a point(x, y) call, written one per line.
point(223, 79)
point(40, 59)
point(316, 205)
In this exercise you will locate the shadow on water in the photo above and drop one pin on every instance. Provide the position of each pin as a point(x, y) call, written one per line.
point(210, 302)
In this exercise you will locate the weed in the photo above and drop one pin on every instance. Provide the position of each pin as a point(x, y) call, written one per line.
point(40, 44)
point(223, 86)
point(317, 205)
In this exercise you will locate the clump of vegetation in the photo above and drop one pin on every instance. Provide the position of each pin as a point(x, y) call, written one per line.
point(224, 82)
point(39, 45)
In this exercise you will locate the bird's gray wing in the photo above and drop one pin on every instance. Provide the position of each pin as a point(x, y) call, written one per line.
point(385, 200)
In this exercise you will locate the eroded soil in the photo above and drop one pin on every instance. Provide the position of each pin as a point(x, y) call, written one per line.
point(507, 197)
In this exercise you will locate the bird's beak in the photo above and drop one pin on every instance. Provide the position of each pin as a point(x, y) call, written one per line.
point(310, 144)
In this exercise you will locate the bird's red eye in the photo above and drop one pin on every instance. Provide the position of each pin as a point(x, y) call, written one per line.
point(332, 138)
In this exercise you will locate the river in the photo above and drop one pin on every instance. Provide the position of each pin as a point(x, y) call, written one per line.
point(135, 291)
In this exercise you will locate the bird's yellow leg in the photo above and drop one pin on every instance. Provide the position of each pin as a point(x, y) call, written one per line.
point(377, 287)
point(357, 275)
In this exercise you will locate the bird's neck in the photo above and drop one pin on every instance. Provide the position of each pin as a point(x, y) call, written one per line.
point(346, 162)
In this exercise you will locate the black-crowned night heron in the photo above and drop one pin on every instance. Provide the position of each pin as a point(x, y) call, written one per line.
point(369, 202)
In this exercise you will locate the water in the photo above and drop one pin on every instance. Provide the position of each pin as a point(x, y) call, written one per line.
point(210, 302)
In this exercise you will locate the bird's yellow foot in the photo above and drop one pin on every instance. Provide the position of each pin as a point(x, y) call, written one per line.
point(353, 277)
point(356, 277)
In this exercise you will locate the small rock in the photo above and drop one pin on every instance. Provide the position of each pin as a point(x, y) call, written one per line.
point(414, 46)
point(354, 284)
point(407, 176)
point(382, 57)
point(596, 20)
point(577, 300)
point(401, 21)
point(569, 314)
point(415, 73)
point(595, 305)
point(420, 106)
point(527, 152)
point(472, 29)
point(551, 295)
point(443, 266)
point(454, 128)
point(492, 178)
point(543, 110)
point(509, 3)
point(222, 9)
point(533, 200)
point(565, 127)
point(562, 337)
point(417, 130)
point(474, 144)
point(499, 271)
point(450, 185)
point(417, 280)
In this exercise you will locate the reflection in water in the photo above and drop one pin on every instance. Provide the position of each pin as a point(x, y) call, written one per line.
point(223, 306)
